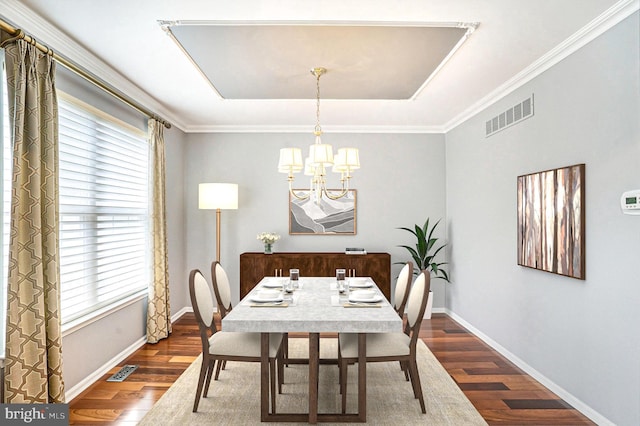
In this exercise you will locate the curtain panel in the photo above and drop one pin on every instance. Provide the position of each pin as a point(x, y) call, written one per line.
point(34, 341)
point(158, 310)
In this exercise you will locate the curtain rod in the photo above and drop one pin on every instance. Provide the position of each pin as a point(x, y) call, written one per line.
point(14, 32)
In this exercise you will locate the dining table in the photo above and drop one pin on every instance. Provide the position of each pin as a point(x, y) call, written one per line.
point(315, 307)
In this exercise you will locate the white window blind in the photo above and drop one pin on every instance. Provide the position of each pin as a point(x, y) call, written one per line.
point(104, 210)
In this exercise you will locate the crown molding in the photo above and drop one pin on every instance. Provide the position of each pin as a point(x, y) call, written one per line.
point(36, 26)
point(608, 19)
point(309, 129)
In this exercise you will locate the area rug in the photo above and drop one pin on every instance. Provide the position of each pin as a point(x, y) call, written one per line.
point(235, 398)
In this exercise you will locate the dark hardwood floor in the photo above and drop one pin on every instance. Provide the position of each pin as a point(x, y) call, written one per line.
point(502, 393)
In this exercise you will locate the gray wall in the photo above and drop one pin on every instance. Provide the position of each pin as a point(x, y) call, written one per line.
point(401, 182)
point(175, 141)
point(580, 335)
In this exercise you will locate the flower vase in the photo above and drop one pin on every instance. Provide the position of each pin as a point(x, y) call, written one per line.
point(268, 248)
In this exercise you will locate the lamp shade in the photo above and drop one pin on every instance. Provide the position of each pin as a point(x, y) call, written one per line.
point(339, 163)
point(346, 159)
point(320, 154)
point(351, 157)
point(290, 160)
point(213, 196)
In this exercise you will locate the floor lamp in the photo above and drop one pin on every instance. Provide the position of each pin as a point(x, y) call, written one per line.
point(218, 196)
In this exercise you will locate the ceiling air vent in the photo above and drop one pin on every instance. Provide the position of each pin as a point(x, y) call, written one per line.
point(510, 117)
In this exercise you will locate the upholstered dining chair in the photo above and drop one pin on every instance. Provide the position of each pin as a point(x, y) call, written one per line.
point(403, 285)
point(226, 346)
point(401, 294)
point(222, 290)
point(385, 347)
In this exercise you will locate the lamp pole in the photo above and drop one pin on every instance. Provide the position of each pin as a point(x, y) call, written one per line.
point(218, 196)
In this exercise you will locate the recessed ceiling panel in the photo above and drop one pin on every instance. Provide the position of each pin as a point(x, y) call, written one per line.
point(274, 61)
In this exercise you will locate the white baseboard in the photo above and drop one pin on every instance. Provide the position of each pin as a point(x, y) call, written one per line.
point(96, 375)
point(93, 377)
point(549, 384)
point(175, 317)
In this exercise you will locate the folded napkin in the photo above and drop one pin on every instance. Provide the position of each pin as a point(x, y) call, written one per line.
point(269, 305)
point(362, 305)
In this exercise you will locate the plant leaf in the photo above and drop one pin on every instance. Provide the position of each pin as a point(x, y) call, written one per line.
point(426, 249)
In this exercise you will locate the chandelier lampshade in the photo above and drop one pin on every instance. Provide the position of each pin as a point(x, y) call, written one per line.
point(290, 160)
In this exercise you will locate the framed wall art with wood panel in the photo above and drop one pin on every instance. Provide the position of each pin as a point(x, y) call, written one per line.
point(551, 221)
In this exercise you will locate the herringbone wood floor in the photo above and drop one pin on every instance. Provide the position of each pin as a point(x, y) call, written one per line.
point(502, 393)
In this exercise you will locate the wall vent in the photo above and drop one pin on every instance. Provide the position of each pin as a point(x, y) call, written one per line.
point(513, 115)
point(123, 373)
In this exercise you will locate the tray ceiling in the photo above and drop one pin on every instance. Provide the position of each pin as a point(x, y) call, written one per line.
point(363, 61)
point(258, 53)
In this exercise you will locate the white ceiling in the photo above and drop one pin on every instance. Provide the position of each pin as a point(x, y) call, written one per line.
point(362, 61)
point(123, 43)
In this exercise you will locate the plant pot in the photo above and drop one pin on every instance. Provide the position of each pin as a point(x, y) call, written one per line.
point(427, 311)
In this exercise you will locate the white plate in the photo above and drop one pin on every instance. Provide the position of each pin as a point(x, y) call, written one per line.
point(274, 283)
point(267, 296)
point(374, 299)
point(364, 296)
point(261, 298)
point(360, 283)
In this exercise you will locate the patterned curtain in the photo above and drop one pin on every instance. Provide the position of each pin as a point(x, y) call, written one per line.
point(158, 311)
point(34, 341)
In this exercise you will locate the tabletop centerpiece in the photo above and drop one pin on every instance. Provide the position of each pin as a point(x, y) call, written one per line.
point(268, 239)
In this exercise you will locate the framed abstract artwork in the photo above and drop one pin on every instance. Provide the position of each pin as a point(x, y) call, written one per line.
point(551, 221)
point(328, 217)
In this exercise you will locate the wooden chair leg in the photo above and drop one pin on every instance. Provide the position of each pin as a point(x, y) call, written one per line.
point(417, 387)
point(212, 363)
point(220, 365)
point(405, 369)
point(413, 381)
point(203, 373)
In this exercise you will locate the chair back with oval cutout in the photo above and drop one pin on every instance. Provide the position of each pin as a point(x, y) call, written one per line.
point(221, 287)
point(417, 304)
point(403, 284)
point(203, 306)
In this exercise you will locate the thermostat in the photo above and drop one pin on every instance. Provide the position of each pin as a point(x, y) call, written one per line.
point(630, 202)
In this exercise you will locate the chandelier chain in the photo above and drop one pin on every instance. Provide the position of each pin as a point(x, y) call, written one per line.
point(318, 129)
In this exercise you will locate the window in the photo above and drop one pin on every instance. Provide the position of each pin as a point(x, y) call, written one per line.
point(104, 210)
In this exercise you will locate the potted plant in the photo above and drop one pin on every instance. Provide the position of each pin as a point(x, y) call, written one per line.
point(424, 255)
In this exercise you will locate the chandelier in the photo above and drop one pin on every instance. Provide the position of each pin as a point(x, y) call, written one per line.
point(320, 159)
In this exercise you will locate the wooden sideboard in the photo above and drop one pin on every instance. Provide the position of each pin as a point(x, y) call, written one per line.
point(255, 266)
